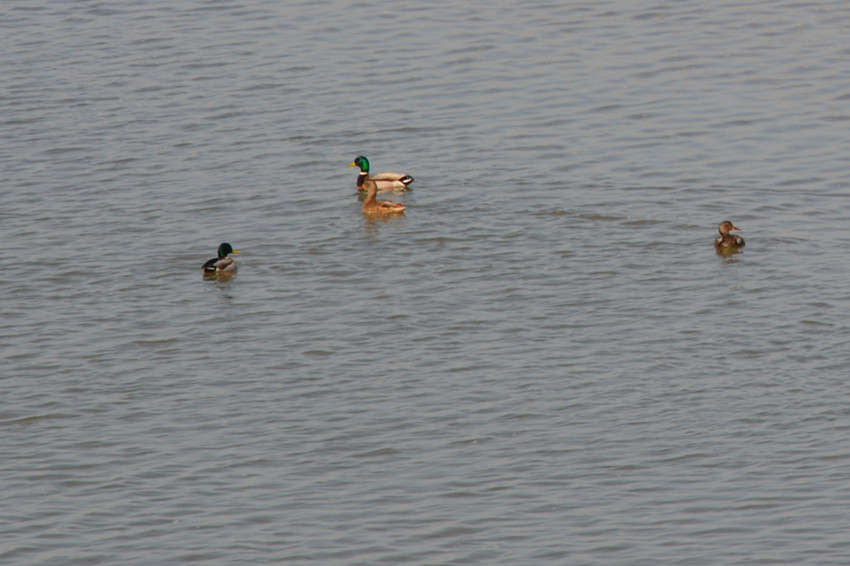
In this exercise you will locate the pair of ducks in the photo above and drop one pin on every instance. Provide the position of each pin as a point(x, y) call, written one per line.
point(380, 182)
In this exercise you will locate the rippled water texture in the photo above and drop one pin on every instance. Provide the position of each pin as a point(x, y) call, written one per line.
point(543, 362)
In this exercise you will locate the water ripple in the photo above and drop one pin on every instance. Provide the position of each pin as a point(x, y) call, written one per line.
point(543, 361)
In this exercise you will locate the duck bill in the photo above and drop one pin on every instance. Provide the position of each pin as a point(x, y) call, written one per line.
point(352, 164)
point(235, 252)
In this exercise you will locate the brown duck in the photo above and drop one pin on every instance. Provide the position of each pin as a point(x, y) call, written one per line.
point(727, 241)
point(374, 207)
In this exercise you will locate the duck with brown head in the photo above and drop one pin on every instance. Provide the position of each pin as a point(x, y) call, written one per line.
point(374, 207)
point(726, 241)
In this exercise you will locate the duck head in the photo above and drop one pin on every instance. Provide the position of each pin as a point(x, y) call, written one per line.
point(361, 162)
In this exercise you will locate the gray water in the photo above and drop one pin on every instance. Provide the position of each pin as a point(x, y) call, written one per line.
point(543, 362)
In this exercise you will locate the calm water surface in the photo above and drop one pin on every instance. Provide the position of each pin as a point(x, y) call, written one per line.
point(543, 362)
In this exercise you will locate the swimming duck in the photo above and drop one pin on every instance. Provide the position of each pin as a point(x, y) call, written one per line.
point(222, 263)
point(726, 240)
point(374, 207)
point(387, 182)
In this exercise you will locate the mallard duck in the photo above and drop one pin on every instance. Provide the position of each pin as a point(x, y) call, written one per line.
point(222, 263)
point(727, 241)
point(374, 207)
point(387, 182)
